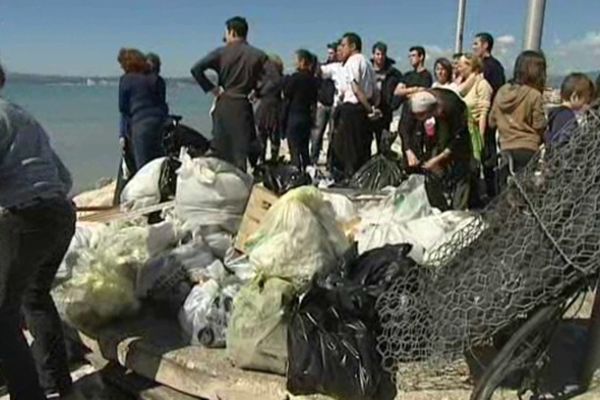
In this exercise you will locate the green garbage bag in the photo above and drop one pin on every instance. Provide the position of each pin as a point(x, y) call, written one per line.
point(257, 332)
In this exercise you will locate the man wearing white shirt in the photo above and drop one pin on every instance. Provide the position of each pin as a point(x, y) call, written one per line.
point(351, 144)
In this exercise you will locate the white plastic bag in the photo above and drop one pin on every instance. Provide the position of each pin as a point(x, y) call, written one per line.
point(86, 237)
point(344, 209)
point(298, 237)
point(407, 202)
point(143, 189)
point(103, 284)
point(193, 317)
point(205, 314)
point(211, 192)
point(425, 234)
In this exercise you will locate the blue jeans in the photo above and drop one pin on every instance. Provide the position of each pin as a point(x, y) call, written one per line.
point(33, 242)
point(323, 119)
point(147, 140)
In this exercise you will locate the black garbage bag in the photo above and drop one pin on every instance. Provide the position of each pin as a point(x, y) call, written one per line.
point(333, 354)
point(167, 182)
point(178, 135)
point(379, 172)
point(280, 178)
point(332, 346)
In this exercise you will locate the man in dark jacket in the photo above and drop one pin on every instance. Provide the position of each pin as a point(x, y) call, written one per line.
point(493, 72)
point(37, 222)
point(240, 67)
point(388, 77)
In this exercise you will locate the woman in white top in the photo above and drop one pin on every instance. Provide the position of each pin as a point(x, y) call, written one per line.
point(477, 94)
point(443, 74)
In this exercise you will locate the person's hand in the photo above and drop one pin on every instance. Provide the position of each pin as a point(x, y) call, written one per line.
point(217, 92)
point(433, 165)
point(399, 90)
point(252, 97)
point(375, 114)
point(414, 90)
point(411, 158)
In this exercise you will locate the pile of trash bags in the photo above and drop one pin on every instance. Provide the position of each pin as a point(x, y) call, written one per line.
point(300, 302)
point(379, 172)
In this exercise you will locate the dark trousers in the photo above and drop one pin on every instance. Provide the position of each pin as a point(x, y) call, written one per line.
point(33, 242)
point(298, 137)
point(266, 134)
point(147, 140)
point(383, 136)
point(520, 158)
point(323, 119)
point(453, 190)
point(234, 132)
point(351, 142)
point(490, 163)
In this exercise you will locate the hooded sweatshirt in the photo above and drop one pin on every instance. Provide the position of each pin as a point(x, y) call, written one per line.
point(518, 113)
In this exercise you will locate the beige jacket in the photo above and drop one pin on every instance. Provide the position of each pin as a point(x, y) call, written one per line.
point(479, 98)
point(518, 113)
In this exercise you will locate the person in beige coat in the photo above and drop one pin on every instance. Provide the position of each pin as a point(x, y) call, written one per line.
point(478, 97)
point(518, 110)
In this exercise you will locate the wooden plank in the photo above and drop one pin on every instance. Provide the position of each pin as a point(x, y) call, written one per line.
point(156, 350)
point(115, 214)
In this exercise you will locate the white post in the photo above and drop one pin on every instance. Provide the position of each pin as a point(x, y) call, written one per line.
point(460, 26)
point(534, 25)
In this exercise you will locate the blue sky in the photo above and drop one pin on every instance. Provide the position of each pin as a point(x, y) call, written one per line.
point(82, 37)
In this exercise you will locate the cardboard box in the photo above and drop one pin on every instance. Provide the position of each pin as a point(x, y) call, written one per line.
point(261, 200)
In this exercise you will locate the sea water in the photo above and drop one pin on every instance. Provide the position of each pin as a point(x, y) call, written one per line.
point(83, 122)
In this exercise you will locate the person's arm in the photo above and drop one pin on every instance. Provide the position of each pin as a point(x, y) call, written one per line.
point(361, 96)
point(492, 119)
point(198, 71)
point(466, 85)
point(484, 96)
point(6, 134)
point(406, 130)
point(393, 100)
point(539, 121)
point(289, 86)
point(124, 97)
point(327, 70)
point(162, 90)
point(403, 91)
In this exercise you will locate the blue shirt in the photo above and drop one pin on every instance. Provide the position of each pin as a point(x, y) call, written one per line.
point(29, 167)
point(562, 122)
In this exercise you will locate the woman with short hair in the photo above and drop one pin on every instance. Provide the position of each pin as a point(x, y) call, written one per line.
point(444, 74)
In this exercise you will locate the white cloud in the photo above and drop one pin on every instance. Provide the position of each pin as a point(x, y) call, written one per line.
point(506, 40)
point(580, 54)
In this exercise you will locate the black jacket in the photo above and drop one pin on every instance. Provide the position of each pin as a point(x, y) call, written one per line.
point(392, 77)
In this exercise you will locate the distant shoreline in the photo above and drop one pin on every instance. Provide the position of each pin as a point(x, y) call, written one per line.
point(80, 80)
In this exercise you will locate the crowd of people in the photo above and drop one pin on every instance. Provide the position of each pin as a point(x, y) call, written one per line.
point(449, 123)
point(448, 129)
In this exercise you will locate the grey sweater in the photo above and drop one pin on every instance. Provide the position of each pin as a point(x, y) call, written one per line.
point(29, 167)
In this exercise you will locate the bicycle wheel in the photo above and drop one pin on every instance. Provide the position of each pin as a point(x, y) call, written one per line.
point(525, 345)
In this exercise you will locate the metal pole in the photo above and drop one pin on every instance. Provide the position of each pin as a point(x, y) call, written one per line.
point(460, 26)
point(534, 25)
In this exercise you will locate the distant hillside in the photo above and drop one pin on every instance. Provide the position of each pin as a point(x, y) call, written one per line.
point(16, 77)
point(556, 80)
